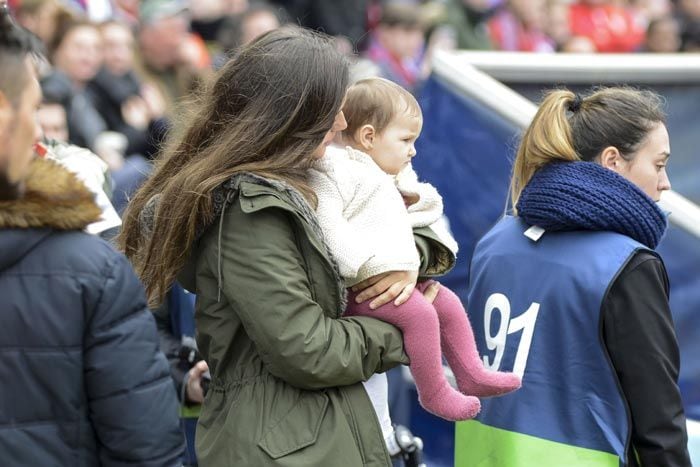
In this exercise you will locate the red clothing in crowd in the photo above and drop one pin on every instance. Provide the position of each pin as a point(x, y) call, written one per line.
point(508, 33)
point(611, 28)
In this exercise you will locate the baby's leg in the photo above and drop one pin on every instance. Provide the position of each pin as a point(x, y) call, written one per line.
point(418, 321)
point(460, 350)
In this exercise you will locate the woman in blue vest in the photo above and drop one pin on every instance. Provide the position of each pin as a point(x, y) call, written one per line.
point(569, 293)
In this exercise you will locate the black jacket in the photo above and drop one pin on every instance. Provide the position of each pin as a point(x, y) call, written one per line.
point(639, 336)
point(107, 93)
point(83, 381)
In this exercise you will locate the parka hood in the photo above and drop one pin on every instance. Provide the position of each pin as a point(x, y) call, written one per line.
point(224, 195)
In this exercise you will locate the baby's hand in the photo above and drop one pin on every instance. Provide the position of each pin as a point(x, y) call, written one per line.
point(385, 287)
point(410, 200)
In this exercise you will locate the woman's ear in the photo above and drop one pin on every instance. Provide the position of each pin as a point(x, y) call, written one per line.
point(610, 158)
point(365, 136)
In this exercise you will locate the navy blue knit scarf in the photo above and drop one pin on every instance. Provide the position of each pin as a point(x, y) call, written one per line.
point(586, 196)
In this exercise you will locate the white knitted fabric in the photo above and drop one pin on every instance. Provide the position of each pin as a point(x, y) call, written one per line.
point(427, 211)
point(362, 215)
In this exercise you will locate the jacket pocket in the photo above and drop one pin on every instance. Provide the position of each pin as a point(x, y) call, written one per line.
point(298, 429)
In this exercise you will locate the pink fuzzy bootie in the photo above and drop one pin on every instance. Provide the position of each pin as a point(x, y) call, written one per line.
point(445, 402)
point(459, 348)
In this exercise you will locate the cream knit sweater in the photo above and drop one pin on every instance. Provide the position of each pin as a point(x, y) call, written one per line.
point(363, 215)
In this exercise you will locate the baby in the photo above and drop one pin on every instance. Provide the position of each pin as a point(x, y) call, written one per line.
point(369, 199)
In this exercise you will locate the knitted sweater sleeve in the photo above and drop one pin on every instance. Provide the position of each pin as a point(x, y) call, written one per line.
point(427, 211)
point(428, 208)
point(348, 244)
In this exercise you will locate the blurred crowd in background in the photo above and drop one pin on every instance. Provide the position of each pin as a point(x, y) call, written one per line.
point(117, 68)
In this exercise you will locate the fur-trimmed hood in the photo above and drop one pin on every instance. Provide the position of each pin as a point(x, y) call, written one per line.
point(54, 199)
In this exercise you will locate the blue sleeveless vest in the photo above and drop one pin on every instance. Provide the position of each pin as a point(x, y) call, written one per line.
point(535, 307)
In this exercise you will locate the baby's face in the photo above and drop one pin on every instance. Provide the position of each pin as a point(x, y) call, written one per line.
point(394, 147)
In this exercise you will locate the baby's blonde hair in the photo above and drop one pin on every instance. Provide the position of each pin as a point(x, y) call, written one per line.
point(376, 101)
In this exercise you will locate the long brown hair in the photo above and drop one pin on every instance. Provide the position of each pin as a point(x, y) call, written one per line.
point(568, 127)
point(267, 111)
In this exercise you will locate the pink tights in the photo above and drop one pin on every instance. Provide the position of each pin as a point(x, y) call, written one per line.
point(429, 330)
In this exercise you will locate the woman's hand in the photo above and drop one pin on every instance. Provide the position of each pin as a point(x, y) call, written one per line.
point(385, 287)
point(135, 112)
point(194, 382)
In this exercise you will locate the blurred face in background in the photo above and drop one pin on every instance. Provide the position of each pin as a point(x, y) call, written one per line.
point(258, 24)
point(52, 121)
point(663, 36)
point(401, 41)
point(557, 21)
point(79, 55)
point(118, 48)
point(161, 40)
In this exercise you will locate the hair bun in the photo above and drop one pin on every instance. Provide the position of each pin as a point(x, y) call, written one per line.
point(575, 104)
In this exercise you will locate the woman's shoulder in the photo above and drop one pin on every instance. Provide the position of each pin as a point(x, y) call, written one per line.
point(252, 198)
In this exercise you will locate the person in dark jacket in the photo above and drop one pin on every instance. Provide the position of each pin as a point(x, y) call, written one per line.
point(579, 294)
point(83, 381)
point(116, 92)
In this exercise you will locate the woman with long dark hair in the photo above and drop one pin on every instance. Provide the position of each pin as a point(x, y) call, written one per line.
point(229, 213)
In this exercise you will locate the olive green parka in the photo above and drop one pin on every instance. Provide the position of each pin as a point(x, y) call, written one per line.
point(286, 367)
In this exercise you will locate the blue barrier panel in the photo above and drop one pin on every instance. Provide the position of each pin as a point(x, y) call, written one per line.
point(681, 253)
point(464, 151)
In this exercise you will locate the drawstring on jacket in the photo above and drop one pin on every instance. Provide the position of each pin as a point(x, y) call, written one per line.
point(229, 196)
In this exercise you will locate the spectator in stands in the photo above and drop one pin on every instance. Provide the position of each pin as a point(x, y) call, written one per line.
point(397, 45)
point(40, 17)
point(126, 105)
point(518, 27)
point(76, 54)
point(467, 19)
point(663, 36)
point(52, 119)
point(611, 27)
point(230, 212)
point(171, 58)
point(77, 57)
point(600, 365)
point(83, 380)
point(557, 22)
point(237, 31)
